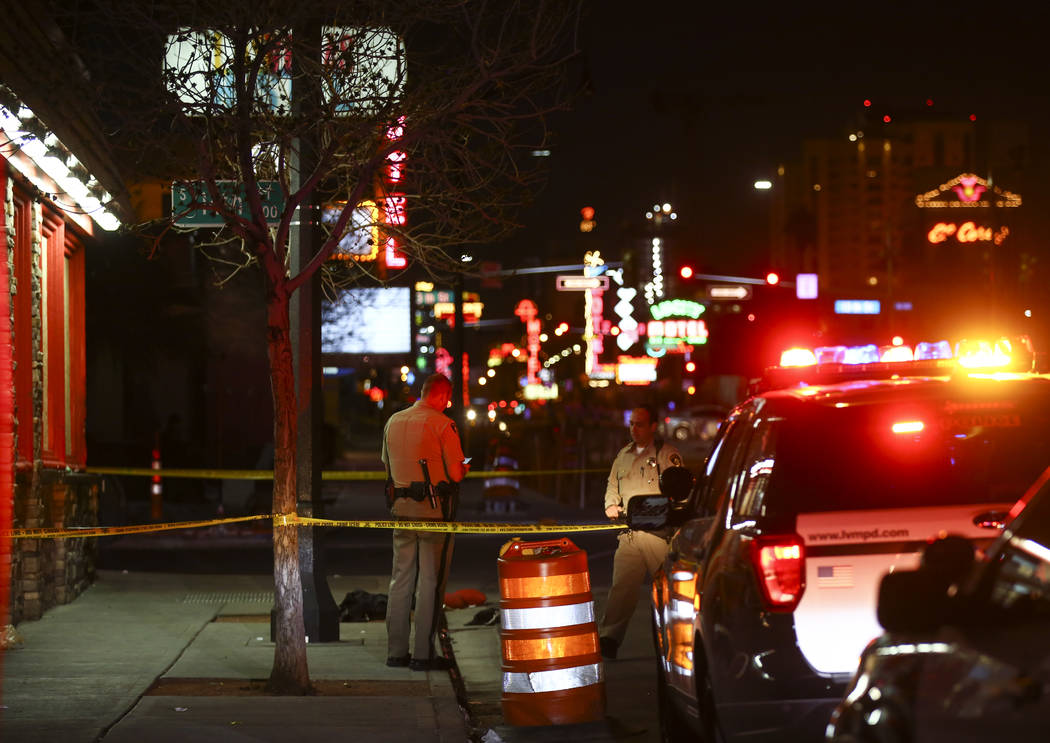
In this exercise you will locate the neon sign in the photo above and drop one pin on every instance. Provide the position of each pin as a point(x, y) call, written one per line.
point(969, 191)
point(394, 203)
point(967, 232)
point(527, 311)
point(593, 306)
point(673, 333)
point(624, 308)
point(447, 311)
point(677, 308)
point(654, 288)
point(360, 242)
point(635, 370)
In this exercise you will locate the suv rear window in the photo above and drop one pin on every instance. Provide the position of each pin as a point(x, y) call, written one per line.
point(942, 452)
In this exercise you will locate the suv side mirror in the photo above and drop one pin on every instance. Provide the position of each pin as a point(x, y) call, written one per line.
point(654, 512)
point(918, 600)
point(676, 483)
point(648, 512)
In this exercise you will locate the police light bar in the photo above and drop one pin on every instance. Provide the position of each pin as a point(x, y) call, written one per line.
point(908, 427)
point(981, 354)
point(827, 364)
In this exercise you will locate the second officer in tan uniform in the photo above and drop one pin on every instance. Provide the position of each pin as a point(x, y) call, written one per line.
point(635, 471)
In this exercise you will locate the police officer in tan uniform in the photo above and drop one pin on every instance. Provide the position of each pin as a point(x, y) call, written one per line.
point(635, 471)
point(418, 493)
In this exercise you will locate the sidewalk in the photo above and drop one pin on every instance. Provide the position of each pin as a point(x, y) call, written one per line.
point(163, 657)
point(116, 665)
point(147, 657)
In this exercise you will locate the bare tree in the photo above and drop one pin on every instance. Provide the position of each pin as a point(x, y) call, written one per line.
point(399, 129)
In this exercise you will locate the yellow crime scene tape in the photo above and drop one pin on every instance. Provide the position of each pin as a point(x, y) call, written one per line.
point(331, 475)
point(458, 527)
point(291, 519)
point(106, 531)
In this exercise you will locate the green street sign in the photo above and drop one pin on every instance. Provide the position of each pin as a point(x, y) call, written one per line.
point(190, 202)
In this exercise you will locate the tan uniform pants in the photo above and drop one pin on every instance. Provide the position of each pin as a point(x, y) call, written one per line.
point(421, 563)
point(639, 554)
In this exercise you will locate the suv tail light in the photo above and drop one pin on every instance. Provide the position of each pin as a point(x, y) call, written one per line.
point(780, 566)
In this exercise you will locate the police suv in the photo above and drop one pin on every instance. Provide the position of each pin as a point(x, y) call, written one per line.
point(838, 470)
point(966, 652)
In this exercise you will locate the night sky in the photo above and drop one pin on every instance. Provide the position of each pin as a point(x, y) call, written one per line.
point(691, 103)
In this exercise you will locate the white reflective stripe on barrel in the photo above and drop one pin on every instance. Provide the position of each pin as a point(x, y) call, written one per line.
point(547, 617)
point(556, 680)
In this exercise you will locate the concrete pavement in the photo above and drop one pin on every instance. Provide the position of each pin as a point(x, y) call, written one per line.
point(176, 657)
point(160, 657)
point(156, 657)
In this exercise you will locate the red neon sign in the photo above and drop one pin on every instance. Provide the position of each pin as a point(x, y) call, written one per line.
point(527, 311)
point(393, 205)
point(394, 257)
point(969, 189)
point(967, 232)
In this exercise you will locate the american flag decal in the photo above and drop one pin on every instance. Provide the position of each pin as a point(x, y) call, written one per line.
point(834, 576)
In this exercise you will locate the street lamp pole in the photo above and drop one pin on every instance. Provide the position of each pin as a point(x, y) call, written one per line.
point(320, 612)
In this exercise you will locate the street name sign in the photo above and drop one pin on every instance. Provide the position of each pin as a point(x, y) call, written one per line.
point(573, 283)
point(191, 203)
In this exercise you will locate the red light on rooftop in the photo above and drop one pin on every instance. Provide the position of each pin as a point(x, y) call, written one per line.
point(929, 101)
point(886, 119)
point(686, 272)
point(973, 117)
point(867, 103)
point(772, 278)
point(587, 212)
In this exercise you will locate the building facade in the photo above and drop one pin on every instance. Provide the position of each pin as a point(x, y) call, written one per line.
point(55, 202)
point(850, 210)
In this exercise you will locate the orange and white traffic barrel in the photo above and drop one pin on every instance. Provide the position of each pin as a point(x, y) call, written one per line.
point(552, 664)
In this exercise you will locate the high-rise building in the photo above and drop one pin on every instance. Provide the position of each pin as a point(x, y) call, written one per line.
point(849, 210)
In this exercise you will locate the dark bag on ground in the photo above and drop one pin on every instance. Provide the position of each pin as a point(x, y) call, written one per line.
point(362, 606)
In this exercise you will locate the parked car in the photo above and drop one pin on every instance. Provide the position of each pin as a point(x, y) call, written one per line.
point(810, 495)
point(966, 652)
point(699, 423)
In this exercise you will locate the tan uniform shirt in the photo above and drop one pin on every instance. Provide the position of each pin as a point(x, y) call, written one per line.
point(635, 473)
point(419, 432)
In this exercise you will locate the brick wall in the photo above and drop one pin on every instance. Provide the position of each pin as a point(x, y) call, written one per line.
point(48, 572)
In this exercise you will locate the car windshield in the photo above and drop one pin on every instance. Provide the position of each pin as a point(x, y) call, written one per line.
point(906, 454)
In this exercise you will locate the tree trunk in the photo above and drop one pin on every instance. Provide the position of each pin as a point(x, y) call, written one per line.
point(290, 674)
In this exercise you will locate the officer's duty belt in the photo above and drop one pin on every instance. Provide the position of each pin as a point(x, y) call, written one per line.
point(417, 491)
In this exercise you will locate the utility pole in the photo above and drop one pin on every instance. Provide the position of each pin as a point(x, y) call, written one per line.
point(320, 613)
point(460, 367)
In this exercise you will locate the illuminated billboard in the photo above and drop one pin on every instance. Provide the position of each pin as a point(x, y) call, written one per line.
point(367, 321)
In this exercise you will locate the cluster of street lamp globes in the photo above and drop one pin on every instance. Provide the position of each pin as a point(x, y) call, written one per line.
point(661, 212)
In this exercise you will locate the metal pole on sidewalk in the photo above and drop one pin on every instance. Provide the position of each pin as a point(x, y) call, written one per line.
point(320, 613)
point(459, 368)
